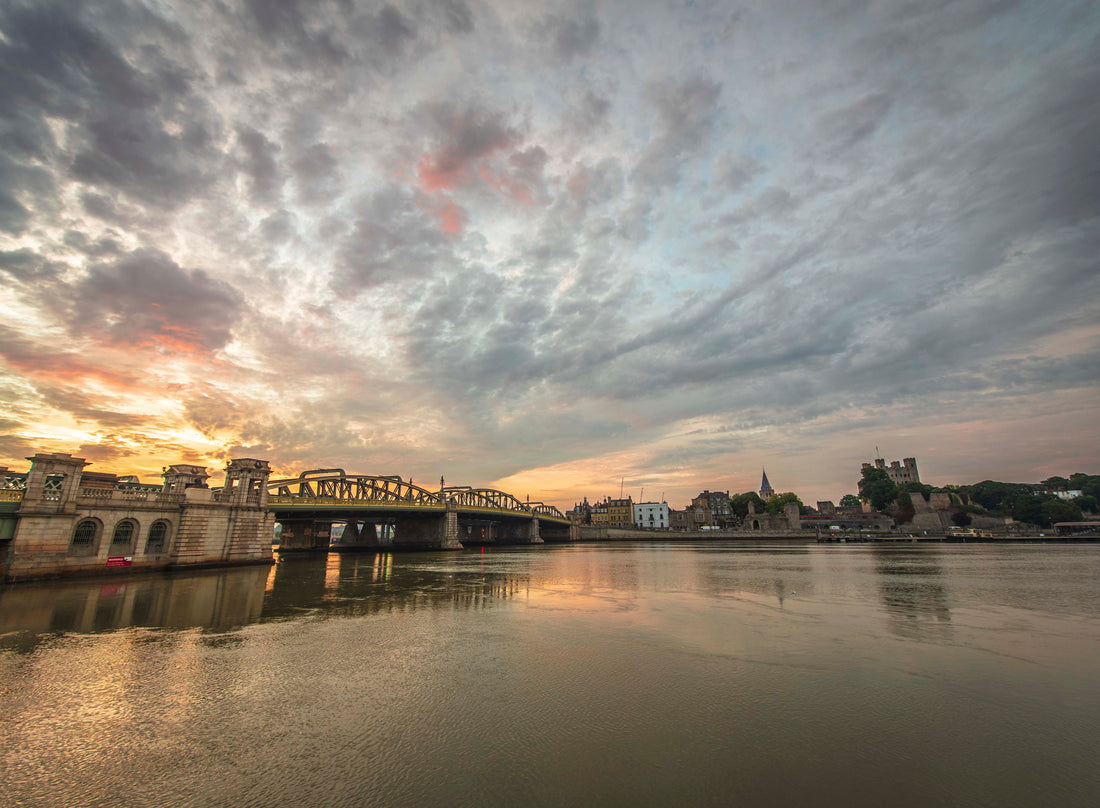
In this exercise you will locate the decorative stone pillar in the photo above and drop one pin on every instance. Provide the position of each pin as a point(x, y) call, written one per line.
point(246, 482)
point(180, 477)
point(53, 483)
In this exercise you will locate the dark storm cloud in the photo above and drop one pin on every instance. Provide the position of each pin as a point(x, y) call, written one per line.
point(278, 227)
point(586, 112)
point(395, 238)
point(145, 299)
point(841, 129)
point(58, 60)
point(305, 30)
point(734, 171)
point(462, 136)
point(686, 111)
point(21, 180)
point(258, 160)
point(134, 154)
point(25, 265)
point(390, 29)
point(317, 172)
point(457, 16)
point(568, 37)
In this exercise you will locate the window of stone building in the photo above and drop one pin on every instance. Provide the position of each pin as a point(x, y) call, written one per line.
point(158, 535)
point(85, 537)
point(124, 533)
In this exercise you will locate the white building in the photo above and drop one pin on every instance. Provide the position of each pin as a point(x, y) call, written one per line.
point(651, 514)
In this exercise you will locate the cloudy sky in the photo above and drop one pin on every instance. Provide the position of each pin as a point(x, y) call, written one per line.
point(557, 248)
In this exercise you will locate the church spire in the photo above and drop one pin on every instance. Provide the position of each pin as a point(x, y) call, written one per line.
point(766, 490)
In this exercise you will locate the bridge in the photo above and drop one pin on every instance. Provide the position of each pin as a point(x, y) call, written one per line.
point(379, 511)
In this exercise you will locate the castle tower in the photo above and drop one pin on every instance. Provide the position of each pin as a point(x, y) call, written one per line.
point(766, 490)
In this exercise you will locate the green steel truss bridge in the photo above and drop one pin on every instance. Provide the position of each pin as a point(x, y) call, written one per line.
point(335, 491)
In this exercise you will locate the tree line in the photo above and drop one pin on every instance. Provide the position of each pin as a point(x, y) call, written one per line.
point(1034, 504)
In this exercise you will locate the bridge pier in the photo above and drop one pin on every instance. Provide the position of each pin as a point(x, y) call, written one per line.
point(358, 536)
point(427, 531)
point(521, 532)
point(555, 533)
point(305, 534)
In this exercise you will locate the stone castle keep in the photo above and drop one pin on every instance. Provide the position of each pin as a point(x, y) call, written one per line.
point(903, 472)
point(59, 520)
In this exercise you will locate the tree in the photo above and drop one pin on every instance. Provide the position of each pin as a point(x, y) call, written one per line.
point(877, 487)
point(1029, 508)
point(850, 501)
point(1086, 502)
point(739, 503)
point(913, 487)
point(777, 503)
point(960, 518)
point(995, 496)
point(1056, 483)
point(1056, 510)
point(905, 511)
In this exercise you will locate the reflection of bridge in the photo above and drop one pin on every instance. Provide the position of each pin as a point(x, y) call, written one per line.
point(383, 511)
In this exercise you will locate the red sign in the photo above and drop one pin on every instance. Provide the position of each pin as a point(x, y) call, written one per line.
point(119, 561)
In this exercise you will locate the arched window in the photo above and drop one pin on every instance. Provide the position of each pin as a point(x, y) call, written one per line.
point(158, 536)
point(85, 537)
point(124, 534)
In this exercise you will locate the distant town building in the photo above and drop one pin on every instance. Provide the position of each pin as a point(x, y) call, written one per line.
point(904, 471)
point(620, 512)
point(766, 490)
point(826, 507)
point(651, 515)
point(681, 520)
point(581, 513)
point(711, 508)
point(1066, 495)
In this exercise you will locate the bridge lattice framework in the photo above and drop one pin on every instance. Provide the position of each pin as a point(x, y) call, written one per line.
point(336, 484)
point(328, 495)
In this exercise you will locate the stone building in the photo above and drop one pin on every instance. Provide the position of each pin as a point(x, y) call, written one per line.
point(64, 521)
point(789, 521)
point(711, 508)
point(904, 471)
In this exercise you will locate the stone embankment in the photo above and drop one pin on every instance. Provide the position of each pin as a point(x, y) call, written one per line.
point(594, 533)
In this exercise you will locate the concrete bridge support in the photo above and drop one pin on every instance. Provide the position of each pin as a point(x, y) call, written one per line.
point(358, 535)
point(305, 534)
point(521, 532)
point(558, 533)
point(428, 531)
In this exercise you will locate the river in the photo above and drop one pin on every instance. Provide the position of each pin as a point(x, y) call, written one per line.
point(648, 674)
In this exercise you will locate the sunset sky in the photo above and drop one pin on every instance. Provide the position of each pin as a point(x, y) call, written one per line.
point(554, 247)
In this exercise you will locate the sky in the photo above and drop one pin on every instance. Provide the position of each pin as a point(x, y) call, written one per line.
point(562, 249)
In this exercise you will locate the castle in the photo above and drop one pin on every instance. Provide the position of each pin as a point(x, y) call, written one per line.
point(900, 472)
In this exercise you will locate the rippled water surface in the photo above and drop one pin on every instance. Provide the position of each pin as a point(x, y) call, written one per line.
point(634, 675)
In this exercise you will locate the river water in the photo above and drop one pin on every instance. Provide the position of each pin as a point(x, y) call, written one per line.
point(636, 675)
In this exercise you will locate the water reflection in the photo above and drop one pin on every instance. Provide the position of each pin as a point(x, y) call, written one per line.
point(912, 585)
point(218, 600)
point(350, 584)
